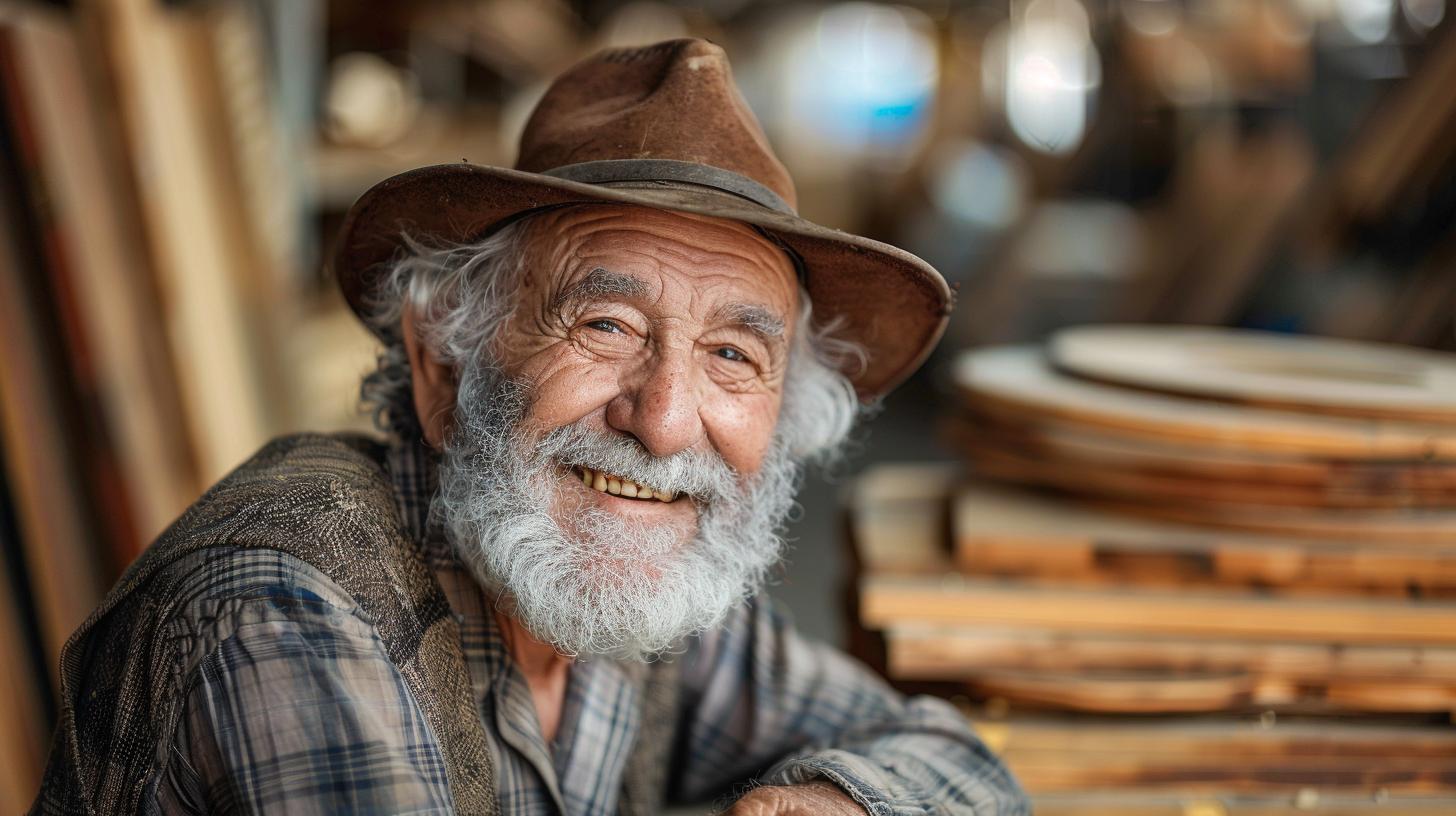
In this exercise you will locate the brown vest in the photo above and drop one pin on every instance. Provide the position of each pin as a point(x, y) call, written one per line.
point(327, 501)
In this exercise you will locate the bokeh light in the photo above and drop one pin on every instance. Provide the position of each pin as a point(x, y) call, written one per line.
point(1051, 74)
point(1368, 21)
point(866, 77)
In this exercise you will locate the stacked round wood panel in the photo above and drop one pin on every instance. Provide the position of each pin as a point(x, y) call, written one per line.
point(1207, 536)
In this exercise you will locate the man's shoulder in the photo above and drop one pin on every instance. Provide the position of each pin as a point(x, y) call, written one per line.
point(280, 528)
point(311, 480)
point(322, 500)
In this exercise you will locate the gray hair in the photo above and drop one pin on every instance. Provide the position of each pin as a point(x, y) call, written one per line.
point(463, 295)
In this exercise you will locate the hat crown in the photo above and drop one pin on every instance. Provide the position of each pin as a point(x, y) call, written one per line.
point(673, 101)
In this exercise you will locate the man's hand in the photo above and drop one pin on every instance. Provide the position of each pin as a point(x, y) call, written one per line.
point(815, 798)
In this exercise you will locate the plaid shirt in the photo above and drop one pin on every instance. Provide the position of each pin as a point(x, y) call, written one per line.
point(294, 706)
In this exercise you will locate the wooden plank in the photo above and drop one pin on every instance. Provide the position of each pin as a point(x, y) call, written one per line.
point(1396, 526)
point(62, 557)
point(1308, 802)
point(1144, 693)
point(1220, 757)
point(918, 652)
point(1016, 381)
point(888, 600)
point(201, 254)
point(1405, 139)
point(1123, 692)
point(1131, 673)
point(119, 320)
point(1016, 533)
point(23, 737)
point(899, 515)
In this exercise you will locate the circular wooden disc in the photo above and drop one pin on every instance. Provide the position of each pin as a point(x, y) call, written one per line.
point(1263, 368)
point(998, 457)
point(1016, 382)
point(1054, 441)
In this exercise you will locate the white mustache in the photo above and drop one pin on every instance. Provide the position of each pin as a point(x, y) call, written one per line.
point(701, 475)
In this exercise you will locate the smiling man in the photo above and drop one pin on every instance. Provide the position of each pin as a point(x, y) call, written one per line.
point(603, 372)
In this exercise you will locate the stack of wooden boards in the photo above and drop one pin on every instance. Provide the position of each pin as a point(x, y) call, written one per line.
point(1202, 569)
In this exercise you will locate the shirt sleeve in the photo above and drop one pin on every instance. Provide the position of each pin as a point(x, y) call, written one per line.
point(763, 705)
point(300, 711)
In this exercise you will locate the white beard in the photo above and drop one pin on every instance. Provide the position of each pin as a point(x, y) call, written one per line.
point(607, 586)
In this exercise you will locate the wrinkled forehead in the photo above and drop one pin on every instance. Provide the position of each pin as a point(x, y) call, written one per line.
point(711, 258)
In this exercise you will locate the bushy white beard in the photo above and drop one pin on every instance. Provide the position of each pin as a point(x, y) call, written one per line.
point(606, 586)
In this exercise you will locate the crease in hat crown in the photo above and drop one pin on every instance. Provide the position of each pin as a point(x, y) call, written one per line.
point(630, 104)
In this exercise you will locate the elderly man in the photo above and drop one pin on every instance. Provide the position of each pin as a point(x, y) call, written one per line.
point(601, 376)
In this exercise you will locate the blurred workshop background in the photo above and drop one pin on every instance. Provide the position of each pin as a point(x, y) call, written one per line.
point(1166, 572)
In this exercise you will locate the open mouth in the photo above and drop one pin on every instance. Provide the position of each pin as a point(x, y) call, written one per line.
point(603, 482)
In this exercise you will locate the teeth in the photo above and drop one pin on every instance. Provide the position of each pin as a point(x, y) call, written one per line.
point(617, 486)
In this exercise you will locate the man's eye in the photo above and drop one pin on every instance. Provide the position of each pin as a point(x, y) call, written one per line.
point(605, 326)
point(730, 353)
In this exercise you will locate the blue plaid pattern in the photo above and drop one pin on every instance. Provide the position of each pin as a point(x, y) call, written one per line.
point(295, 707)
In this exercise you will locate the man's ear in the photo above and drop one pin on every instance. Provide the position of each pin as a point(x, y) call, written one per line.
point(433, 381)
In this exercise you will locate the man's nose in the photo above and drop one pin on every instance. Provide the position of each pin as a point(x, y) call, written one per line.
point(659, 404)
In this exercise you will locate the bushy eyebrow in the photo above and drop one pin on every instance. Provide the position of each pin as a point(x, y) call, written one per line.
point(598, 284)
point(760, 320)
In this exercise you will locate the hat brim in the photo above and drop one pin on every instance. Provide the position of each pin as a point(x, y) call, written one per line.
point(887, 300)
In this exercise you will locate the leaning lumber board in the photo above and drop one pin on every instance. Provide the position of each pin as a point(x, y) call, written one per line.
point(888, 600)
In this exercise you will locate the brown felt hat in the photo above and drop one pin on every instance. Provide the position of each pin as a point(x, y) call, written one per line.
point(661, 126)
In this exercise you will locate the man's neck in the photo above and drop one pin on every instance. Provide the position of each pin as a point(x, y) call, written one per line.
point(544, 668)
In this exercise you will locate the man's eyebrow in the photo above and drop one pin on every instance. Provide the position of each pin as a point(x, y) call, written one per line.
point(598, 284)
point(760, 320)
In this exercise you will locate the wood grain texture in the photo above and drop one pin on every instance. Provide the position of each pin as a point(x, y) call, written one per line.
point(1246, 367)
point(1006, 458)
point(1218, 756)
point(1144, 803)
point(1103, 450)
point(921, 652)
point(1005, 532)
point(887, 600)
point(1017, 382)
